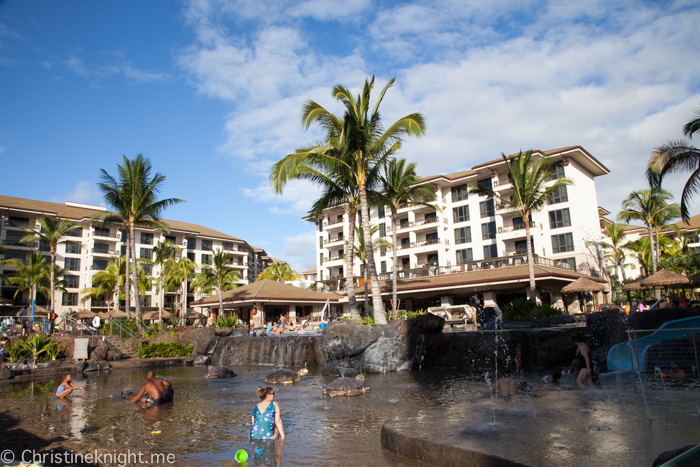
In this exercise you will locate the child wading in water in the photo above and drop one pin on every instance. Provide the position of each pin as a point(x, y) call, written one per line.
point(66, 387)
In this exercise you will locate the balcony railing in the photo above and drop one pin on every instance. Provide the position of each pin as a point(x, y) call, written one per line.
point(100, 251)
point(333, 240)
point(20, 244)
point(98, 303)
point(512, 228)
point(428, 242)
point(117, 235)
point(14, 223)
point(335, 258)
point(98, 267)
point(332, 223)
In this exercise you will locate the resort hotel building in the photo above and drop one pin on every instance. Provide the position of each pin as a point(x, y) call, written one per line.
point(93, 246)
point(465, 246)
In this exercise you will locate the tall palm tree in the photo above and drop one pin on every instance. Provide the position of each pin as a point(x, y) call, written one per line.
point(615, 249)
point(219, 277)
point(663, 218)
point(400, 188)
point(33, 276)
point(531, 192)
point(642, 252)
point(134, 196)
point(108, 283)
point(361, 254)
point(646, 206)
point(161, 253)
point(50, 232)
point(280, 272)
point(177, 272)
point(678, 156)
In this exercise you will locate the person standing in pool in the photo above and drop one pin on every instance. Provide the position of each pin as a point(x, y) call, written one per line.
point(66, 387)
point(266, 418)
point(156, 390)
point(585, 374)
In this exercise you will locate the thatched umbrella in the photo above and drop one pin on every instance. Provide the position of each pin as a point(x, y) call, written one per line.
point(84, 314)
point(155, 314)
point(583, 284)
point(634, 285)
point(666, 279)
point(115, 314)
point(194, 315)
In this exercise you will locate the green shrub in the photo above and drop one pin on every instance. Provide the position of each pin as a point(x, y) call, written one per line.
point(152, 331)
point(38, 344)
point(55, 350)
point(519, 310)
point(163, 350)
point(16, 351)
point(368, 320)
point(413, 314)
point(547, 311)
point(226, 322)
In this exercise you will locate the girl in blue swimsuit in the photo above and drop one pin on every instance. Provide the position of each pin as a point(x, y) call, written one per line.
point(266, 416)
point(66, 387)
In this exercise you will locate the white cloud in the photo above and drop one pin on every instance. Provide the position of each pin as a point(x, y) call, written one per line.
point(84, 191)
point(298, 250)
point(97, 71)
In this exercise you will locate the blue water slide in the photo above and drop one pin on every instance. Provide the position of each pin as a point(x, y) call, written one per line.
point(619, 354)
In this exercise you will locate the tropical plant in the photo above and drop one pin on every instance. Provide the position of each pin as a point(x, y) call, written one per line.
point(33, 276)
point(280, 272)
point(50, 232)
point(366, 145)
point(531, 192)
point(219, 277)
point(162, 253)
point(15, 351)
point(163, 350)
point(648, 206)
point(38, 344)
point(108, 283)
point(361, 252)
point(226, 322)
point(678, 156)
point(547, 311)
point(177, 272)
point(642, 253)
point(134, 196)
point(681, 264)
point(55, 350)
point(400, 188)
point(519, 310)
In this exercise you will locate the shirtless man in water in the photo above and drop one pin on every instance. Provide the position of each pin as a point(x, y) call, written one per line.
point(156, 390)
point(507, 386)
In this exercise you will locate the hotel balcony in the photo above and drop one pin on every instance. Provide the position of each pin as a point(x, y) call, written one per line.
point(11, 244)
point(98, 267)
point(431, 242)
point(502, 188)
point(515, 231)
point(332, 241)
point(508, 212)
point(333, 224)
point(420, 224)
point(101, 252)
point(113, 237)
point(332, 260)
point(15, 225)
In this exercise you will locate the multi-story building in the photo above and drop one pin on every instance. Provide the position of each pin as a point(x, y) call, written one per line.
point(91, 247)
point(461, 232)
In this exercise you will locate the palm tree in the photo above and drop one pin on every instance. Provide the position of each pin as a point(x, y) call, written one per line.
point(615, 249)
point(279, 272)
point(531, 192)
point(219, 277)
point(678, 156)
point(108, 283)
point(361, 255)
point(646, 206)
point(50, 232)
point(400, 188)
point(642, 252)
point(177, 272)
point(33, 276)
point(161, 253)
point(663, 218)
point(134, 197)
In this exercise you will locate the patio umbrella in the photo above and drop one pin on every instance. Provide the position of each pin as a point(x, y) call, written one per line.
point(585, 285)
point(84, 314)
point(6, 301)
point(194, 315)
point(155, 314)
point(665, 278)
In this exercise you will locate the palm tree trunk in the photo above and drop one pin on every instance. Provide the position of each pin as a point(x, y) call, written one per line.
point(127, 277)
point(530, 260)
point(53, 287)
point(221, 302)
point(162, 294)
point(394, 266)
point(379, 314)
point(183, 303)
point(134, 271)
point(350, 274)
point(652, 251)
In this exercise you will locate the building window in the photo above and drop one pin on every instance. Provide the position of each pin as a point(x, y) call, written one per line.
point(459, 193)
point(101, 232)
point(463, 235)
point(460, 214)
point(320, 225)
point(227, 246)
point(190, 256)
point(486, 208)
point(191, 243)
point(320, 260)
point(562, 243)
point(464, 256)
point(73, 248)
point(557, 171)
point(380, 212)
point(559, 195)
point(485, 183)
point(99, 264)
point(490, 251)
point(382, 251)
point(147, 301)
point(207, 245)
point(72, 282)
point(382, 230)
point(44, 246)
point(146, 253)
point(17, 221)
point(488, 230)
point(123, 250)
point(70, 299)
point(73, 264)
point(320, 242)
point(146, 238)
point(383, 266)
point(101, 248)
point(559, 219)
point(206, 259)
point(147, 269)
point(75, 232)
point(570, 261)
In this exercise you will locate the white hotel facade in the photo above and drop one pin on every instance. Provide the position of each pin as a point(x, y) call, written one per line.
point(90, 249)
point(468, 233)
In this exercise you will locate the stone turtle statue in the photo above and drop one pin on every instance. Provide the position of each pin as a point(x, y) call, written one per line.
point(346, 387)
point(220, 372)
point(283, 376)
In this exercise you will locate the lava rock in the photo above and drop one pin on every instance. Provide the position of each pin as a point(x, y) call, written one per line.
point(668, 455)
point(340, 369)
point(223, 331)
point(390, 352)
point(347, 339)
point(220, 372)
point(5, 372)
point(100, 351)
point(202, 340)
point(80, 366)
point(202, 360)
point(428, 323)
point(92, 366)
point(189, 361)
point(607, 328)
point(104, 365)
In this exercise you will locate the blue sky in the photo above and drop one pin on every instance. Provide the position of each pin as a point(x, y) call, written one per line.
point(211, 91)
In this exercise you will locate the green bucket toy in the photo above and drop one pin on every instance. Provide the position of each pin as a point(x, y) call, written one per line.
point(241, 455)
